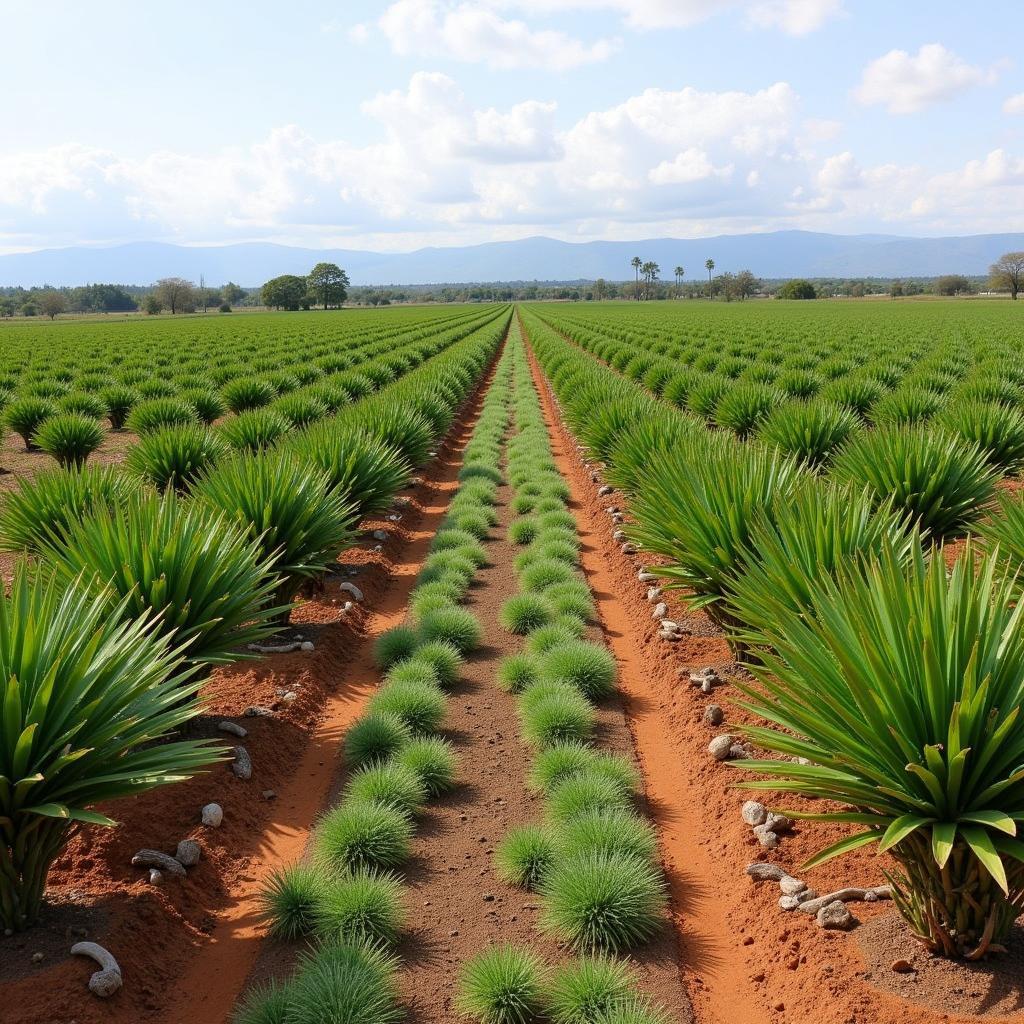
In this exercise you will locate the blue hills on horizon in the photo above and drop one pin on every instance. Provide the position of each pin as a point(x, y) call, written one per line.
point(776, 254)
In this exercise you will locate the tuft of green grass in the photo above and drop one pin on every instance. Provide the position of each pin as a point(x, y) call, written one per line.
point(376, 737)
point(603, 901)
point(421, 706)
point(363, 835)
point(444, 658)
point(558, 714)
point(522, 531)
point(455, 626)
point(544, 573)
point(364, 906)
point(584, 792)
point(563, 631)
point(593, 985)
point(264, 1004)
point(588, 667)
point(389, 783)
point(608, 830)
point(525, 856)
point(432, 760)
point(394, 645)
point(517, 672)
point(523, 613)
point(290, 898)
point(566, 760)
point(502, 985)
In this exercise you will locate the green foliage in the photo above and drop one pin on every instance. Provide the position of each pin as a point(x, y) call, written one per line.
point(376, 737)
point(432, 760)
point(364, 906)
point(998, 430)
point(940, 481)
point(588, 667)
point(208, 583)
point(570, 759)
point(91, 695)
point(582, 991)
point(455, 626)
point(517, 672)
point(584, 792)
point(523, 613)
point(918, 736)
point(246, 393)
point(502, 985)
point(361, 835)
point(421, 706)
point(603, 901)
point(560, 714)
point(389, 783)
point(811, 431)
point(173, 457)
point(157, 413)
point(290, 899)
point(444, 658)
point(69, 437)
point(744, 406)
point(26, 415)
point(525, 855)
point(393, 645)
point(254, 430)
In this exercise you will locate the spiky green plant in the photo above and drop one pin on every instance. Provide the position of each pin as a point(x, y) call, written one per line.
point(444, 658)
point(997, 429)
point(209, 406)
point(585, 792)
point(358, 464)
point(420, 705)
point(156, 413)
point(523, 613)
point(84, 404)
point(394, 645)
point(254, 430)
point(603, 901)
point(89, 693)
point(365, 906)
point(288, 509)
point(119, 401)
point(591, 986)
point(559, 713)
point(901, 690)
point(611, 829)
point(942, 482)
point(173, 457)
point(290, 898)
point(376, 737)
point(456, 626)
point(525, 855)
point(388, 783)
point(432, 759)
point(517, 672)
point(744, 406)
point(207, 581)
point(364, 835)
point(26, 415)
point(45, 507)
point(590, 668)
point(264, 1004)
point(566, 760)
point(246, 393)
point(69, 437)
point(697, 509)
point(812, 431)
point(300, 410)
point(502, 985)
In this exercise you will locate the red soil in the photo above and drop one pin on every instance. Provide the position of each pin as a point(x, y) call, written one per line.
point(745, 960)
point(186, 947)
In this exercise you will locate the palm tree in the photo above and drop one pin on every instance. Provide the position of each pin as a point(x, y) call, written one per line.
point(651, 271)
point(636, 264)
point(680, 274)
point(709, 265)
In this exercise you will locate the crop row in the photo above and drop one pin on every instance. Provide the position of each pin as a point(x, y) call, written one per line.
point(347, 898)
point(58, 406)
point(592, 861)
point(126, 598)
point(891, 685)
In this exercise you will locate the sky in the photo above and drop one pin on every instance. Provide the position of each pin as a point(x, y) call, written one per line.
point(404, 123)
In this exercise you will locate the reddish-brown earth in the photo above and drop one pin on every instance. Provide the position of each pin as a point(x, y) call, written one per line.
point(745, 960)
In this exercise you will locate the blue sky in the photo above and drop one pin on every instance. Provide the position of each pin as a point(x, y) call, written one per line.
point(408, 122)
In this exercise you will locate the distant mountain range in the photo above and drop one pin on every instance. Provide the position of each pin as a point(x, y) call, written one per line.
point(774, 254)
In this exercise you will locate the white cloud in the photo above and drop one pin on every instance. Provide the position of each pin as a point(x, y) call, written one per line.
point(906, 84)
point(443, 170)
point(360, 33)
point(796, 17)
point(471, 32)
point(1014, 104)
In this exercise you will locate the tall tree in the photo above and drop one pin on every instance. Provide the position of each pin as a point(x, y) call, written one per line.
point(51, 303)
point(709, 266)
point(1008, 273)
point(329, 283)
point(284, 292)
point(636, 263)
point(175, 294)
point(680, 274)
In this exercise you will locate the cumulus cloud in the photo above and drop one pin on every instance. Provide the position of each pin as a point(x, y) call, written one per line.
point(1014, 104)
point(443, 169)
point(907, 83)
point(473, 32)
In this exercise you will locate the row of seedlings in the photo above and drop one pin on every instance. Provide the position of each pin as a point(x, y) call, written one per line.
point(868, 652)
point(202, 575)
point(592, 861)
point(346, 898)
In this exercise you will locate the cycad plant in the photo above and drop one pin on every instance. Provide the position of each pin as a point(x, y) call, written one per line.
point(942, 482)
point(87, 695)
point(366, 469)
point(254, 430)
point(288, 508)
point(811, 431)
point(209, 582)
point(743, 406)
point(69, 437)
point(901, 692)
point(172, 457)
point(44, 508)
point(697, 507)
point(26, 415)
point(997, 429)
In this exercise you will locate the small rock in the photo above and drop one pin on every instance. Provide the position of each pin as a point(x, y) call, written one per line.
point(719, 748)
point(738, 752)
point(671, 625)
point(713, 715)
point(629, 549)
point(754, 813)
point(156, 876)
point(836, 916)
point(766, 837)
point(602, 491)
point(380, 534)
point(258, 712)
point(269, 794)
point(618, 517)
point(792, 886)
point(306, 645)
point(242, 764)
point(646, 577)
point(660, 610)
point(213, 815)
point(612, 509)
point(288, 696)
point(234, 728)
point(347, 606)
point(669, 634)
point(618, 535)
point(779, 823)
point(705, 676)
point(706, 686)
point(653, 593)
point(37, 958)
point(156, 859)
point(788, 902)
point(351, 588)
point(107, 980)
point(902, 967)
point(762, 872)
point(188, 853)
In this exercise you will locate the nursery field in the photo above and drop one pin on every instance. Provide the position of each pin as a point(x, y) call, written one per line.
point(571, 664)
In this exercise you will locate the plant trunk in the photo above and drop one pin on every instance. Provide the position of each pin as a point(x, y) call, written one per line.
point(27, 852)
point(957, 911)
